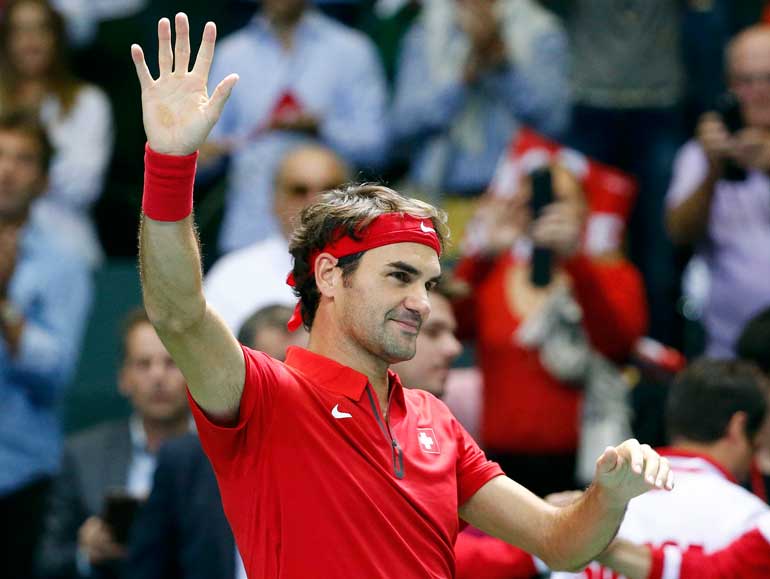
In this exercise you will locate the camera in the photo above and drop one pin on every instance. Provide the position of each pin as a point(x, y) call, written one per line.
point(729, 109)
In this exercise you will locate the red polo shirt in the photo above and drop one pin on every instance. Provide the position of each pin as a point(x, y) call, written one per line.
point(316, 484)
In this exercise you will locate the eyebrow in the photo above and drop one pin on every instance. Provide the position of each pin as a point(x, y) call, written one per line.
point(410, 269)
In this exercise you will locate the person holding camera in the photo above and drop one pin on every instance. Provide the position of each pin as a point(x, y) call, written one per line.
point(547, 318)
point(719, 198)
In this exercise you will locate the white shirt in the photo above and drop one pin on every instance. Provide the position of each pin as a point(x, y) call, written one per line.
point(248, 279)
point(705, 509)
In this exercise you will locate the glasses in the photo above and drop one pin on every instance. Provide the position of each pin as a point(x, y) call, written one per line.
point(749, 79)
point(305, 189)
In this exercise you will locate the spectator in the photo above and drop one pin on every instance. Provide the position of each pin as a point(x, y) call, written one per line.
point(182, 532)
point(628, 83)
point(254, 276)
point(35, 77)
point(714, 413)
point(45, 297)
point(718, 196)
point(305, 76)
point(118, 455)
point(267, 327)
point(526, 371)
point(471, 72)
point(437, 347)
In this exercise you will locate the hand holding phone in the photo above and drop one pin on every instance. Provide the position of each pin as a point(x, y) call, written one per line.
point(120, 509)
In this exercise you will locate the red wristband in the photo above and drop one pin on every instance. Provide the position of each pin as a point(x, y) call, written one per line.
point(168, 185)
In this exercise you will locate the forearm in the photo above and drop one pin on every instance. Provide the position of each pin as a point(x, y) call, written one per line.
point(687, 223)
point(172, 280)
point(628, 559)
point(579, 532)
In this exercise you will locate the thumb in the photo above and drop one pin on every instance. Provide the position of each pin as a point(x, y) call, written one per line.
point(608, 461)
point(222, 93)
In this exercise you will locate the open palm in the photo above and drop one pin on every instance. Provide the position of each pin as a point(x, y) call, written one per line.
point(176, 109)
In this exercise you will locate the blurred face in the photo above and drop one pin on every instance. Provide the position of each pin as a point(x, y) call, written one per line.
point(437, 349)
point(283, 11)
point(32, 41)
point(273, 340)
point(385, 301)
point(150, 379)
point(303, 175)
point(21, 174)
point(749, 77)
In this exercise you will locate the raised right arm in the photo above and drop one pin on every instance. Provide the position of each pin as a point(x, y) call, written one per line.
point(178, 115)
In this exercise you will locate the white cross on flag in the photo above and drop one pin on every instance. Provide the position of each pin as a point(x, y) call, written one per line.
point(428, 441)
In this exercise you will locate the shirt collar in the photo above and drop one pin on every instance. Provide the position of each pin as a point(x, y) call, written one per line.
point(334, 376)
point(137, 433)
point(681, 453)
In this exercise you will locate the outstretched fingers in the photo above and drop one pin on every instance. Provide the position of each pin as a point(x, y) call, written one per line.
point(165, 56)
point(182, 45)
point(222, 93)
point(142, 72)
point(206, 51)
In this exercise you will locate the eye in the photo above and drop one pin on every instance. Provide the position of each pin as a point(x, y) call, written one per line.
point(431, 285)
point(402, 276)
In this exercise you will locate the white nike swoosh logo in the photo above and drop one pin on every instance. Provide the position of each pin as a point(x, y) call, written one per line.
point(337, 413)
point(425, 229)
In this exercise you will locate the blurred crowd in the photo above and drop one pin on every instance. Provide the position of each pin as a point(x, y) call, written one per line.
point(605, 170)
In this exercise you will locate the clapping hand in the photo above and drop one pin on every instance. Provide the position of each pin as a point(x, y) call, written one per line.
point(632, 469)
point(178, 114)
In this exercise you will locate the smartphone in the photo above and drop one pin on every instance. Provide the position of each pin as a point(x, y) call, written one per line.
point(542, 196)
point(729, 109)
point(119, 512)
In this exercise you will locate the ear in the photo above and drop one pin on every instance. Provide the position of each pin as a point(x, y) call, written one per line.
point(124, 384)
point(736, 427)
point(328, 277)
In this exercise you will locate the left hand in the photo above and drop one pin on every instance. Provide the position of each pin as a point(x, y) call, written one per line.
point(559, 228)
point(751, 149)
point(631, 469)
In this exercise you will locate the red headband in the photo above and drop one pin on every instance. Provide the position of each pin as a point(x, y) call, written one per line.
point(383, 230)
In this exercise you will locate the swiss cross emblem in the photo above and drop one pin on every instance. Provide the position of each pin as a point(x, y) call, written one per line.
point(428, 441)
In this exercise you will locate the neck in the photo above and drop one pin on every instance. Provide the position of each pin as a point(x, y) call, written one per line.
point(716, 451)
point(284, 29)
point(158, 432)
point(31, 91)
point(327, 339)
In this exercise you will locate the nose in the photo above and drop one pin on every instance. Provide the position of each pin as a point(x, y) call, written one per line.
point(419, 302)
point(452, 346)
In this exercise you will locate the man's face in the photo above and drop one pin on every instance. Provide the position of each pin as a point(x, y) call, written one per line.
point(21, 173)
point(150, 379)
point(437, 349)
point(302, 177)
point(384, 303)
point(274, 340)
point(749, 78)
point(283, 11)
point(32, 42)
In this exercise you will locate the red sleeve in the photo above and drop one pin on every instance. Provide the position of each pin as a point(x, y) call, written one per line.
point(614, 305)
point(485, 557)
point(228, 447)
point(474, 469)
point(472, 270)
point(748, 557)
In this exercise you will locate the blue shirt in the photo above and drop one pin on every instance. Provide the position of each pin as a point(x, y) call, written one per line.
point(53, 291)
point(426, 111)
point(333, 71)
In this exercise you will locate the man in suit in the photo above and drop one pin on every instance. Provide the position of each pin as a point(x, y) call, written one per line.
point(182, 532)
point(116, 456)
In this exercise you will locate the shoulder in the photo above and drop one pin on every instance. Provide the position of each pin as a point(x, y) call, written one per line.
point(338, 36)
point(235, 261)
point(96, 437)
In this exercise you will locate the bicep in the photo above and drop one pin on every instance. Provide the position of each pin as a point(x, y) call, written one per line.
point(211, 361)
point(506, 510)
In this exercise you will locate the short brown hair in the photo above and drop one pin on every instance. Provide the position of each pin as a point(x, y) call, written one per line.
point(23, 122)
point(133, 318)
point(346, 212)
